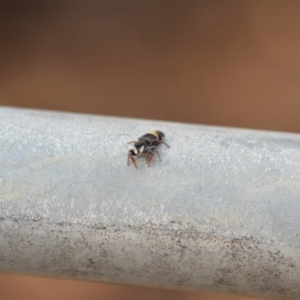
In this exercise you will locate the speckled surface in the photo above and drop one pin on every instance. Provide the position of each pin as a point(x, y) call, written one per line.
point(220, 212)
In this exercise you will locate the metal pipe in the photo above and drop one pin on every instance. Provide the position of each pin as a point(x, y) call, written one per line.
point(220, 212)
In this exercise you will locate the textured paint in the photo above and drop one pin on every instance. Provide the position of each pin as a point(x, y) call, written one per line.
point(220, 212)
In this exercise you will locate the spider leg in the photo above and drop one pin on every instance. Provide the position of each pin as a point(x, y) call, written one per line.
point(132, 142)
point(149, 157)
point(160, 142)
point(157, 152)
point(130, 157)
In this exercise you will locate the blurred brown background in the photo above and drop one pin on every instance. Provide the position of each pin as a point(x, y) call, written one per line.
point(229, 63)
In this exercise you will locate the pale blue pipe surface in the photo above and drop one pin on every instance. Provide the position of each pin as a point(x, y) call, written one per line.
point(220, 212)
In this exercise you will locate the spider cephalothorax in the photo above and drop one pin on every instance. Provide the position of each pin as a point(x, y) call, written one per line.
point(148, 144)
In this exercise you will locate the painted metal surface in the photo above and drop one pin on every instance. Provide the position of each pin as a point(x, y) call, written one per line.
point(220, 212)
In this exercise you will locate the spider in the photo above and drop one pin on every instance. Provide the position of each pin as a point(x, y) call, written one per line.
point(147, 143)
